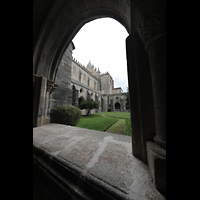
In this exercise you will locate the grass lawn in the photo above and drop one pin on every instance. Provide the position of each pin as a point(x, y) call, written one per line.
point(119, 115)
point(119, 127)
point(96, 122)
point(105, 121)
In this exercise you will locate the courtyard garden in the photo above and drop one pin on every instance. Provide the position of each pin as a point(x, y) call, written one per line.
point(113, 122)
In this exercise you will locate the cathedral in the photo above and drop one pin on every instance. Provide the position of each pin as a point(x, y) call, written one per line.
point(76, 83)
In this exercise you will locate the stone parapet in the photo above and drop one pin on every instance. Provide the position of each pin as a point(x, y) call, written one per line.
point(72, 169)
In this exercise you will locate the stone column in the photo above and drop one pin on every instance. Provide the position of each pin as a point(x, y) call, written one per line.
point(122, 104)
point(51, 85)
point(76, 98)
point(156, 150)
point(141, 96)
point(42, 95)
point(41, 90)
point(102, 104)
point(156, 49)
point(75, 94)
point(152, 31)
point(37, 85)
point(112, 106)
point(151, 27)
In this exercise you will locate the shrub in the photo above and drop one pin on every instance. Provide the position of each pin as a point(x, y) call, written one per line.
point(69, 115)
point(109, 109)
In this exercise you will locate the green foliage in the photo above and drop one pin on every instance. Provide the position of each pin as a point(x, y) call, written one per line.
point(90, 104)
point(109, 109)
point(69, 115)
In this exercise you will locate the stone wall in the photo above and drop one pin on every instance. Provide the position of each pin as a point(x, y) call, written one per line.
point(63, 93)
point(81, 74)
point(117, 90)
point(107, 83)
point(75, 81)
point(117, 102)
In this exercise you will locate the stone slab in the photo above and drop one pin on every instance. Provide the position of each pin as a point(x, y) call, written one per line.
point(105, 156)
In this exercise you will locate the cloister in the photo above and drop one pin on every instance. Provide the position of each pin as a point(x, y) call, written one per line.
point(55, 23)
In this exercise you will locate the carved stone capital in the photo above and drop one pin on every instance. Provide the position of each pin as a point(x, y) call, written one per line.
point(151, 20)
point(51, 85)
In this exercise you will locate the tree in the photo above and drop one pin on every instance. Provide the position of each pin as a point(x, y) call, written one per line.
point(90, 104)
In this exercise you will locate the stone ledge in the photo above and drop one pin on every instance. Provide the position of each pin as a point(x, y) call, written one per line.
point(156, 157)
point(87, 164)
point(65, 176)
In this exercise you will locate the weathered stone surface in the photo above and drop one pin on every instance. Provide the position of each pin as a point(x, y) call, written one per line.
point(81, 152)
point(141, 97)
point(157, 165)
point(111, 169)
point(101, 156)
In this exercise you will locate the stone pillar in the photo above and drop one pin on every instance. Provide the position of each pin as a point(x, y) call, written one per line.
point(88, 96)
point(102, 104)
point(156, 49)
point(105, 103)
point(44, 88)
point(122, 104)
point(141, 96)
point(76, 98)
point(51, 85)
point(75, 94)
point(151, 27)
point(152, 31)
point(37, 82)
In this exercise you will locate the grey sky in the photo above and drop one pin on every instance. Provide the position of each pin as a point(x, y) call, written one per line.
point(102, 42)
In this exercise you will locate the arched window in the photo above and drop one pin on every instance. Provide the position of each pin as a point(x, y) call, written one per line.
point(117, 106)
point(80, 76)
point(80, 99)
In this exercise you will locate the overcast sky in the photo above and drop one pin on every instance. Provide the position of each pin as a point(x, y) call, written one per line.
point(102, 42)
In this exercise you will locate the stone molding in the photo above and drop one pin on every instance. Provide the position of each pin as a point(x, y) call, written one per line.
point(51, 85)
point(151, 20)
point(148, 44)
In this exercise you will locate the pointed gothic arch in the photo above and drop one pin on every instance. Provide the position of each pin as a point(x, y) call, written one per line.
point(55, 23)
point(80, 99)
point(117, 106)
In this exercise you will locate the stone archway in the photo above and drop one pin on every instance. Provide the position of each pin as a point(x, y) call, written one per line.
point(62, 29)
point(117, 106)
point(74, 96)
point(55, 23)
point(80, 99)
